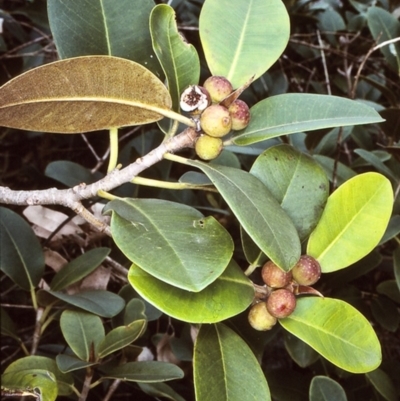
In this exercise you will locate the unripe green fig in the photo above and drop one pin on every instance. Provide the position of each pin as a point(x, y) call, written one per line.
point(281, 303)
point(240, 114)
point(195, 99)
point(216, 121)
point(208, 147)
point(306, 271)
point(274, 276)
point(218, 88)
point(259, 317)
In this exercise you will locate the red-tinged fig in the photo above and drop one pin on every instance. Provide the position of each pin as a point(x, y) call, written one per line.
point(274, 276)
point(208, 147)
point(259, 317)
point(240, 114)
point(281, 303)
point(218, 88)
point(216, 121)
point(195, 99)
point(307, 270)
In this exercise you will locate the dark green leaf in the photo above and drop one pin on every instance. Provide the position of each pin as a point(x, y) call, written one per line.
point(323, 388)
point(160, 390)
point(299, 351)
point(386, 314)
point(67, 363)
point(7, 325)
point(70, 173)
point(383, 384)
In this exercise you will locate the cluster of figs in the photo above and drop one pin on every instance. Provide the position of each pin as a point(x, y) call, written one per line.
point(216, 107)
point(282, 290)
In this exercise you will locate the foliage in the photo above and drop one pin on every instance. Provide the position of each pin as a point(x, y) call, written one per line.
point(150, 276)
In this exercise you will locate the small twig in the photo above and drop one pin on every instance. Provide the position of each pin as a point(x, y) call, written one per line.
point(111, 390)
point(327, 82)
point(86, 384)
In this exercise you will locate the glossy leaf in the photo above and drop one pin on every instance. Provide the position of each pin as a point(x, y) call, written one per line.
point(298, 112)
point(103, 27)
point(178, 58)
point(337, 331)
point(383, 384)
point(83, 332)
point(392, 230)
point(225, 368)
point(21, 256)
point(323, 388)
point(173, 242)
point(374, 161)
point(384, 26)
point(297, 182)
point(145, 372)
point(227, 296)
point(243, 40)
point(120, 337)
point(83, 94)
point(35, 382)
point(353, 222)
point(33, 362)
point(78, 268)
point(98, 302)
point(67, 363)
point(257, 211)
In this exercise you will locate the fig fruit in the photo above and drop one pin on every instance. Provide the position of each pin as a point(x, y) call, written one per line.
point(208, 147)
point(259, 317)
point(274, 276)
point(218, 88)
point(216, 121)
point(306, 271)
point(281, 303)
point(240, 114)
point(195, 99)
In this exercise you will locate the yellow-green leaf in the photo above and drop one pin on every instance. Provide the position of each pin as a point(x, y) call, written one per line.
point(83, 94)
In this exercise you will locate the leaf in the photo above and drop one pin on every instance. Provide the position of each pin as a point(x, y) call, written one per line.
point(83, 332)
point(383, 384)
point(160, 390)
point(102, 27)
point(353, 222)
point(338, 171)
point(384, 26)
point(33, 362)
point(21, 256)
point(323, 388)
point(243, 39)
point(145, 372)
point(385, 313)
point(83, 94)
point(298, 112)
point(230, 294)
point(79, 268)
point(173, 242)
point(391, 290)
point(67, 363)
point(99, 302)
point(225, 368)
point(392, 230)
point(299, 351)
point(257, 211)
point(396, 266)
point(297, 182)
point(120, 337)
point(337, 331)
point(7, 325)
point(39, 383)
point(179, 60)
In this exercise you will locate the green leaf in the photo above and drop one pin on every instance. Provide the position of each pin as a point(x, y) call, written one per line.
point(33, 362)
point(21, 256)
point(323, 388)
point(227, 296)
point(337, 331)
point(70, 173)
point(39, 383)
point(160, 390)
point(173, 242)
point(335, 170)
point(392, 230)
point(243, 39)
point(396, 266)
point(386, 313)
point(297, 182)
point(83, 332)
point(385, 26)
point(383, 384)
point(67, 363)
point(145, 372)
point(390, 289)
point(86, 94)
point(298, 112)
point(99, 302)
point(120, 337)
point(299, 351)
point(7, 325)
point(225, 368)
point(102, 27)
point(178, 59)
point(79, 268)
point(257, 211)
point(353, 222)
